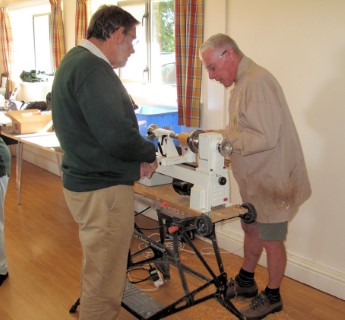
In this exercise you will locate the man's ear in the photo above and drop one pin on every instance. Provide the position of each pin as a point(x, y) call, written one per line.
point(118, 34)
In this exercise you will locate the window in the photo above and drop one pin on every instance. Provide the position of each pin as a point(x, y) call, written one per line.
point(42, 52)
point(153, 64)
point(31, 43)
point(136, 69)
point(154, 61)
point(163, 42)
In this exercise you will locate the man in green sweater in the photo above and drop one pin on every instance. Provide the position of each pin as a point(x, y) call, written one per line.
point(104, 154)
point(5, 170)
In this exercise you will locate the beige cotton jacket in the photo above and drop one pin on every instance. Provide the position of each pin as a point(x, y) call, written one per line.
point(267, 159)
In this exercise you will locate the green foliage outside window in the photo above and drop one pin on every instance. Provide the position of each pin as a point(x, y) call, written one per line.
point(164, 17)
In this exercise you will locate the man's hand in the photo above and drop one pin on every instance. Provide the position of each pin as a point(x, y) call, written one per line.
point(147, 169)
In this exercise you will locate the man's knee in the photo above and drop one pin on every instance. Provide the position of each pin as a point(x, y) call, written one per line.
point(250, 229)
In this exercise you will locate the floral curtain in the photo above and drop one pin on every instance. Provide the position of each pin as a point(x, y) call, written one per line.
point(81, 20)
point(57, 33)
point(189, 16)
point(6, 45)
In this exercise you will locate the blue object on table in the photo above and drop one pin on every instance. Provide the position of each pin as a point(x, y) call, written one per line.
point(163, 117)
point(166, 118)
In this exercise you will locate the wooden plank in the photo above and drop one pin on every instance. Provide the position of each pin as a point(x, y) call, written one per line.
point(167, 193)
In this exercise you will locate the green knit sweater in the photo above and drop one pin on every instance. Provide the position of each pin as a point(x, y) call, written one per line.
point(96, 125)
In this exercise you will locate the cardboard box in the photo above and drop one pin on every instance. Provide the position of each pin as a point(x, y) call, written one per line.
point(30, 121)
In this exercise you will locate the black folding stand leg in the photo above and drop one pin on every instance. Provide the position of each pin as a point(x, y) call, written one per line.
point(75, 306)
point(220, 282)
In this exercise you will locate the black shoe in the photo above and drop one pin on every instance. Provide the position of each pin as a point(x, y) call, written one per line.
point(261, 306)
point(235, 290)
point(3, 277)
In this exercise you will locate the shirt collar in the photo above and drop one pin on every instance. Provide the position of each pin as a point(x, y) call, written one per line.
point(93, 49)
point(243, 66)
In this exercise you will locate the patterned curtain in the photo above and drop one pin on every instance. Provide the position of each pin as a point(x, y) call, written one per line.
point(6, 46)
point(57, 33)
point(189, 16)
point(81, 21)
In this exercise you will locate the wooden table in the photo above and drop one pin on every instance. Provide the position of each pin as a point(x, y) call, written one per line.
point(46, 141)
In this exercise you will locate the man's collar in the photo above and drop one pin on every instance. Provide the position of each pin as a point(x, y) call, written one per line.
point(93, 49)
point(242, 67)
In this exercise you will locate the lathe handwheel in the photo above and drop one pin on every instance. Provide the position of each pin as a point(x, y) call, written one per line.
point(250, 216)
point(204, 225)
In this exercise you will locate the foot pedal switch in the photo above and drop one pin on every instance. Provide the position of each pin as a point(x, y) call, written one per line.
point(139, 303)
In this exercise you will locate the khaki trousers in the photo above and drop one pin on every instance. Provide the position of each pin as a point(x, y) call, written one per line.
point(106, 224)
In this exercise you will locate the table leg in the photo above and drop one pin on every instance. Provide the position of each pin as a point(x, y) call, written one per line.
point(58, 159)
point(19, 162)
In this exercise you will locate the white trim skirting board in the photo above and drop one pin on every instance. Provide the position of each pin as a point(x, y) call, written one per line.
point(304, 270)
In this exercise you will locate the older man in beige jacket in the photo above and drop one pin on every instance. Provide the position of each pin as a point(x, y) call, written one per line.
point(267, 163)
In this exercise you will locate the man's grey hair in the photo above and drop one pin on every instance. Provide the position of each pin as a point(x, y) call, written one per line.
point(220, 41)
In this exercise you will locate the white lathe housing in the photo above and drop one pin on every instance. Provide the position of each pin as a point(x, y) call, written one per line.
point(200, 163)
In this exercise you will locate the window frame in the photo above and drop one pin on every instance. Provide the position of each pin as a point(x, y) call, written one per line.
point(29, 12)
point(145, 22)
point(35, 46)
point(145, 92)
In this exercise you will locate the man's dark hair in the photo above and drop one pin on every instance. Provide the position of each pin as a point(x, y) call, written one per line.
point(107, 19)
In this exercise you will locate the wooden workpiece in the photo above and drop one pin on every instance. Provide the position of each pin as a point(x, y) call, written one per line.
point(166, 193)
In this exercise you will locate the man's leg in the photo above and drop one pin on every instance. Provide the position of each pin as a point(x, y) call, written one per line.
point(106, 223)
point(252, 247)
point(269, 300)
point(244, 284)
point(276, 262)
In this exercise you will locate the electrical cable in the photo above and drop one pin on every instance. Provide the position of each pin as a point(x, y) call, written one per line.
point(142, 211)
point(226, 219)
point(130, 277)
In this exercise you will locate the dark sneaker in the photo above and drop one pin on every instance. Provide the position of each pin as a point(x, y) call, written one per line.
point(261, 306)
point(235, 290)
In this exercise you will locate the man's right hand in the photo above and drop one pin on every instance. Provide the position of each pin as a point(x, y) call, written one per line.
point(147, 169)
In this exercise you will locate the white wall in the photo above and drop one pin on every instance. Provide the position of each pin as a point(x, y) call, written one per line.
point(69, 22)
point(302, 43)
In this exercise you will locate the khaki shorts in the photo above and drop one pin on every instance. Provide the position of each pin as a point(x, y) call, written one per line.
point(273, 231)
